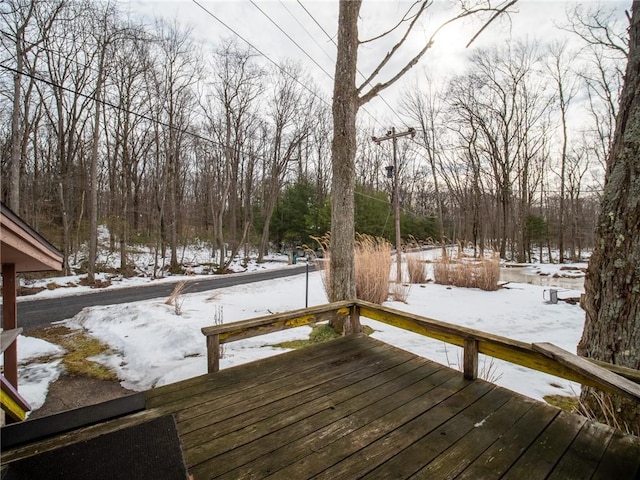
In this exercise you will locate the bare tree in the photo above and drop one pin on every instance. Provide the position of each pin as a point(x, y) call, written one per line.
point(598, 26)
point(566, 87)
point(68, 55)
point(500, 108)
point(425, 109)
point(229, 109)
point(128, 136)
point(106, 32)
point(291, 112)
point(577, 166)
point(605, 50)
point(178, 73)
point(25, 27)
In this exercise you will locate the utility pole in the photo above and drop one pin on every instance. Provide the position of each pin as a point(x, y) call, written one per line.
point(392, 172)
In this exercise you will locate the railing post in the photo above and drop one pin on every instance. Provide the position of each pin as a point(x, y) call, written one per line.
point(470, 358)
point(354, 320)
point(213, 353)
point(10, 321)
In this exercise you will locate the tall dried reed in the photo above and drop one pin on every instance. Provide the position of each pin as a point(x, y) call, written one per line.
point(400, 292)
point(372, 265)
point(483, 273)
point(604, 410)
point(416, 269)
point(324, 263)
point(176, 299)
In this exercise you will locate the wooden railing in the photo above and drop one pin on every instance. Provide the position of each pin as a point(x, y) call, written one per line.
point(230, 332)
point(543, 357)
point(11, 401)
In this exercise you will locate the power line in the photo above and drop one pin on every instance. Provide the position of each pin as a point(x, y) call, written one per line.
point(331, 39)
point(313, 38)
point(375, 119)
point(387, 202)
point(318, 24)
point(122, 109)
point(292, 40)
point(262, 53)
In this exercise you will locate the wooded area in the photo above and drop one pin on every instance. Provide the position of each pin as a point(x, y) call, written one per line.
point(106, 120)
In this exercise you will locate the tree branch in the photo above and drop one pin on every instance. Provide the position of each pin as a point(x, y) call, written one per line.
point(381, 86)
point(405, 18)
point(499, 12)
point(395, 48)
point(598, 27)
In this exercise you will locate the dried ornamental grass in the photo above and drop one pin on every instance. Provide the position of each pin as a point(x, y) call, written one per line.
point(324, 263)
point(481, 273)
point(401, 292)
point(372, 265)
point(604, 410)
point(176, 299)
point(416, 269)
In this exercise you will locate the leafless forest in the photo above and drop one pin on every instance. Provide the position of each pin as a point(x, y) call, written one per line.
point(106, 120)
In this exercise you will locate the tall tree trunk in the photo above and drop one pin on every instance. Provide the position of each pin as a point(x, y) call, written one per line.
point(93, 174)
point(563, 166)
point(612, 286)
point(343, 153)
point(16, 133)
point(14, 166)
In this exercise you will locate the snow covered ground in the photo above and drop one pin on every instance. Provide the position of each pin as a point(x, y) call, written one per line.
point(71, 285)
point(151, 346)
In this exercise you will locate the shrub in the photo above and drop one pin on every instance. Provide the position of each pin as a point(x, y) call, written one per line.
point(322, 333)
point(482, 273)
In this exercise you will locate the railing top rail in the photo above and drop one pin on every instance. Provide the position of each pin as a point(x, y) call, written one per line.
point(233, 327)
point(7, 337)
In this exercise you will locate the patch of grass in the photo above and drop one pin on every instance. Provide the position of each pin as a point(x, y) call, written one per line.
point(23, 291)
point(319, 333)
point(367, 330)
point(566, 403)
point(294, 344)
point(322, 333)
point(52, 334)
point(79, 347)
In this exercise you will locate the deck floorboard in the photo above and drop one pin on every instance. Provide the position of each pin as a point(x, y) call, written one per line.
point(358, 408)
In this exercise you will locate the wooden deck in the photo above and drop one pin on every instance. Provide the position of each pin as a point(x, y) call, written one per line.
point(359, 408)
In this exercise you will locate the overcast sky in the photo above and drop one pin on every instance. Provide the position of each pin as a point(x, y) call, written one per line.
point(310, 24)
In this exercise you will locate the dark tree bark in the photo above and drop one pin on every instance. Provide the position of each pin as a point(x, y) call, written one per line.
point(612, 286)
point(343, 152)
